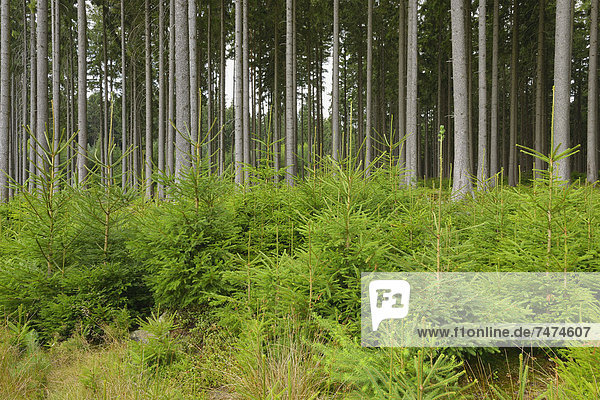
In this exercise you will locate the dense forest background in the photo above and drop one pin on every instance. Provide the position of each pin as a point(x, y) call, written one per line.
point(154, 76)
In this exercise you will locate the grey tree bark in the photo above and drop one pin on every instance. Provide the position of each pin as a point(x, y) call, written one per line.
point(539, 86)
point(170, 145)
point(42, 83)
point(562, 85)
point(209, 111)
point(335, 96)
point(512, 152)
point(124, 148)
point(193, 74)
point(245, 90)
point(275, 117)
point(290, 108)
point(368, 139)
point(222, 92)
point(148, 160)
point(482, 164)
point(81, 91)
point(32, 99)
point(592, 119)
point(55, 84)
point(494, 99)
point(239, 123)
point(461, 184)
point(4, 98)
point(182, 72)
point(161, 97)
point(411, 96)
point(401, 82)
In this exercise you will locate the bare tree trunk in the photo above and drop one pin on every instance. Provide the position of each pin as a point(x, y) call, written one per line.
point(55, 85)
point(182, 72)
point(482, 164)
point(32, 101)
point(275, 117)
point(290, 112)
point(401, 82)
point(105, 99)
point(170, 145)
point(494, 100)
point(411, 96)
point(562, 85)
point(539, 86)
point(239, 113)
point(592, 119)
point(148, 162)
point(81, 91)
point(335, 97)
point(368, 140)
point(193, 74)
point(209, 144)
point(23, 128)
point(245, 90)
point(161, 98)
point(512, 151)
point(222, 93)
point(42, 83)
point(4, 98)
point(461, 183)
point(124, 149)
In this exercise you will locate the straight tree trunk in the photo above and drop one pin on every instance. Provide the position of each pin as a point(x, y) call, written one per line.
point(161, 98)
point(55, 85)
point(246, 90)
point(32, 100)
point(105, 99)
point(539, 87)
point(124, 148)
point(562, 85)
point(222, 93)
point(170, 145)
point(461, 183)
point(482, 164)
point(42, 84)
point(275, 117)
point(239, 113)
point(148, 161)
point(592, 119)
point(494, 100)
point(182, 72)
point(368, 140)
point(4, 98)
point(335, 97)
point(411, 96)
point(193, 74)
point(512, 150)
point(401, 82)
point(210, 143)
point(290, 112)
point(81, 91)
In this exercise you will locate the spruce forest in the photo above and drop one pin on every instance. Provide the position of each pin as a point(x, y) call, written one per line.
point(191, 189)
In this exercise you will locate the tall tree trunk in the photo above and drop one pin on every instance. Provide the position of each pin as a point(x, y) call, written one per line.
point(401, 82)
point(148, 162)
point(222, 93)
point(81, 91)
point(360, 145)
point(42, 83)
point(494, 100)
point(539, 87)
point(290, 112)
point(161, 98)
point(411, 96)
point(239, 113)
point(193, 74)
point(4, 98)
point(512, 150)
point(335, 96)
point(275, 117)
point(482, 164)
point(592, 119)
point(245, 90)
point(562, 85)
point(23, 128)
point(55, 85)
point(124, 148)
point(182, 72)
point(105, 99)
point(32, 100)
point(210, 134)
point(461, 183)
point(170, 145)
point(368, 140)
